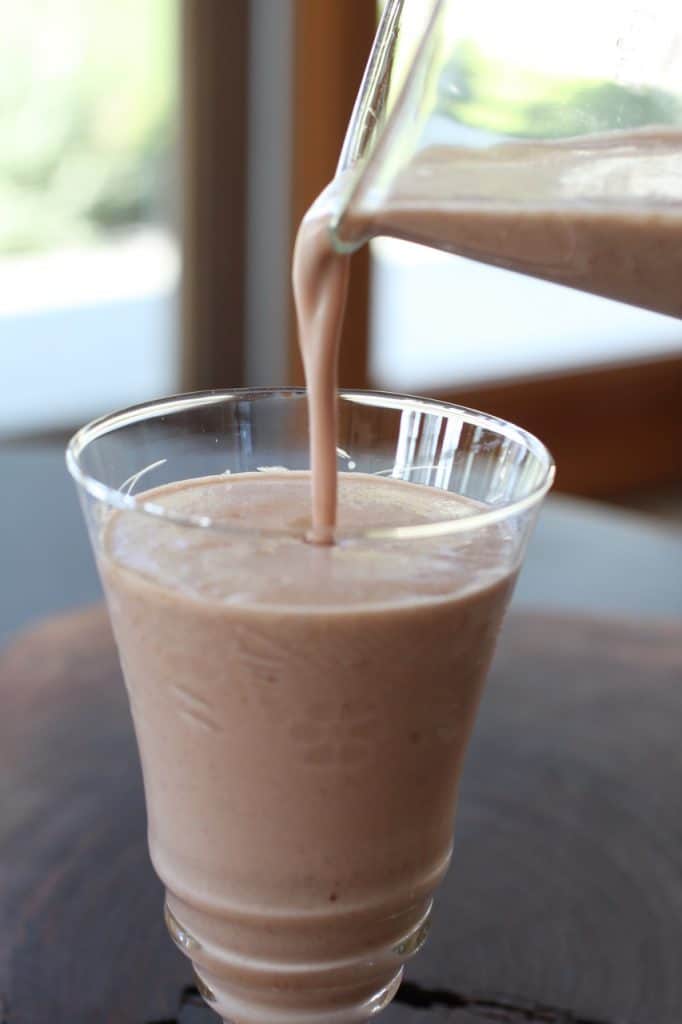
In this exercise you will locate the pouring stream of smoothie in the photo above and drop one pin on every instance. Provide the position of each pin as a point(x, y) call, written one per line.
point(472, 204)
point(320, 287)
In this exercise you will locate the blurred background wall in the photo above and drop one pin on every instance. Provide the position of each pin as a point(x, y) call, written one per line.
point(155, 158)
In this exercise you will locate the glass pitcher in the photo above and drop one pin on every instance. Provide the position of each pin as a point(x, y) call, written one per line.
point(544, 138)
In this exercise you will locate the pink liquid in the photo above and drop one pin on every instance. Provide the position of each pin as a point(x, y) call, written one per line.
point(302, 713)
point(320, 278)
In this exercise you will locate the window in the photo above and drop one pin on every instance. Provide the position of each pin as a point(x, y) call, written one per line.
point(89, 258)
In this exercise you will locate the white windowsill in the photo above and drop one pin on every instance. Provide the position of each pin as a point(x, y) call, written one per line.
point(83, 331)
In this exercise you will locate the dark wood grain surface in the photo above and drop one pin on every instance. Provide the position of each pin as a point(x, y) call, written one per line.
point(564, 902)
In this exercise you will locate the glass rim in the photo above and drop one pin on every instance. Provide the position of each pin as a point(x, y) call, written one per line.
point(116, 498)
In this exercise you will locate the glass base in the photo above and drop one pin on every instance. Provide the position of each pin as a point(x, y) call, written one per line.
point(355, 1007)
point(252, 990)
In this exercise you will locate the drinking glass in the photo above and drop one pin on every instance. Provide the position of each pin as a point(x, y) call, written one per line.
point(473, 121)
point(301, 763)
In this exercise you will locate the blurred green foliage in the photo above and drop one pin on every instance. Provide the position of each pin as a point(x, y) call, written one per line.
point(87, 105)
point(499, 97)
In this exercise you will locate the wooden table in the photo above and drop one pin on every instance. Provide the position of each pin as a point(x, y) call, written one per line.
point(563, 904)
